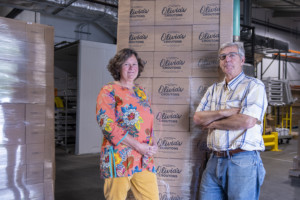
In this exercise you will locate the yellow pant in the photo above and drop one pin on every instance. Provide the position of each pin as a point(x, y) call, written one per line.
point(142, 184)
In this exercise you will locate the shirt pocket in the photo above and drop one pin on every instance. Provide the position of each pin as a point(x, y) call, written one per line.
point(233, 104)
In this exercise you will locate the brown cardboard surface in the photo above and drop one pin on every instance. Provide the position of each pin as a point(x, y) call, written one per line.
point(171, 91)
point(35, 133)
point(179, 192)
point(12, 113)
point(171, 117)
point(172, 64)
point(12, 155)
point(174, 172)
point(12, 133)
point(123, 24)
point(141, 38)
point(205, 64)
point(35, 113)
point(206, 37)
point(142, 13)
point(174, 12)
point(206, 11)
point(198, 88)
point(35, 33)
point(173, 38)
point(226, 21)
point(173, 144)
point(35, 173)
point(148, 58)
point(35, 153)
point(11, 176)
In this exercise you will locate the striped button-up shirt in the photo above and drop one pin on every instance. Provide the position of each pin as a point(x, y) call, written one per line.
point(247, 93)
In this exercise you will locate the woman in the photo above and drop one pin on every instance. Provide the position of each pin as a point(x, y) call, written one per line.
point(125, 117)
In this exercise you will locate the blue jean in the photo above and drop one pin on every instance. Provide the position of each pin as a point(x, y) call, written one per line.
point(235, 177)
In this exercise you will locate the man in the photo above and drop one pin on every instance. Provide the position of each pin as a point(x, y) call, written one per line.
point(233, 112)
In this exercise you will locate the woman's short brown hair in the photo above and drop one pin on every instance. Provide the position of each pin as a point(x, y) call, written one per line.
point(115, 64)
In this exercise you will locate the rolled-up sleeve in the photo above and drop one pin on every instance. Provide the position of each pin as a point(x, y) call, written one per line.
point(106, 117)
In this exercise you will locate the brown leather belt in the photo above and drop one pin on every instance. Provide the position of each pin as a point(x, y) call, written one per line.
point(224, 153)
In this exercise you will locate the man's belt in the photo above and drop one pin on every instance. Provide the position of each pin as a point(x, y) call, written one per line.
point(230, 152)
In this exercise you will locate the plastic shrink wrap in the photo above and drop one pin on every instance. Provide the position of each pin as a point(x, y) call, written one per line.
point(26, 110)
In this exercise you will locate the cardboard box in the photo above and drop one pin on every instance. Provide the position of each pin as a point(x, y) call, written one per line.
point(171, 117)
point(12, 114)
point(35, 33)
point(172, 64)
point(174, 12)
point(35, 133)
point(35, 113)
point(226, 21)
point(12, 155)
point(206, 37)
point(35, 95)
point(147, 84)
point(173, 38)
point(141, 38)
point(36, 191)
point(12, 30)
point(35, 153)
point(205, 64)
point(171, 91)
point(180, 192)
point(35, 174)
point(173, 144)
point(142, 13)
point(198, 88)
point(206, 11)
point(174, 172)
point(10, 177)
point(12, 133)
point(148, 59)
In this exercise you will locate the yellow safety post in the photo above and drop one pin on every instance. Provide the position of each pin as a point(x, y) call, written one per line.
point(271, 141)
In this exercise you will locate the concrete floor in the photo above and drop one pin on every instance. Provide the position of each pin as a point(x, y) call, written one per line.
point(77, 177)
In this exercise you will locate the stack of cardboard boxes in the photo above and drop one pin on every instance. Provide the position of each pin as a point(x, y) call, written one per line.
point(178, 40)
point(26, 110)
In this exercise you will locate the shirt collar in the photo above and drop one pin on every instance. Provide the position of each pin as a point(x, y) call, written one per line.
point(232, 84)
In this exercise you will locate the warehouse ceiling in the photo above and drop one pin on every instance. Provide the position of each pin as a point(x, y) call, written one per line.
point(281, 8)
point(101, 13)
point(104, 13)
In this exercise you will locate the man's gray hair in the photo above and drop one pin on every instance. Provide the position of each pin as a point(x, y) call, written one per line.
point(239, 45)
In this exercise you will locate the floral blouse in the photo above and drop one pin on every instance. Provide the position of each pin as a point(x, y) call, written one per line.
point(119, 112)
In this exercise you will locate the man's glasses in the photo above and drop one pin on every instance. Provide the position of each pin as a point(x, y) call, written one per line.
point(231, 55)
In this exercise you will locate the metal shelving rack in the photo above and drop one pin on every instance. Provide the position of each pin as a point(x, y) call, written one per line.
point(65, 117)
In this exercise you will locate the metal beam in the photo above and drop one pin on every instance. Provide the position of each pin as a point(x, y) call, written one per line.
point(60, 9)
point(286, 14)
point(13, 13)
point(103, 3)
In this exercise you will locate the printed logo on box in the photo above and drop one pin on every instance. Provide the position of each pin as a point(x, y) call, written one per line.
point(207, 63)
point(212, 9)
point(169, 143)
point(173, 11)
point(168, 116)
point(137, 37)
point(170, 90)
point(209, 36)
point(201, 90)
point(172, 37)
point(168, 171)
point(169, 196)
point(138, 12)
point(171, 63)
